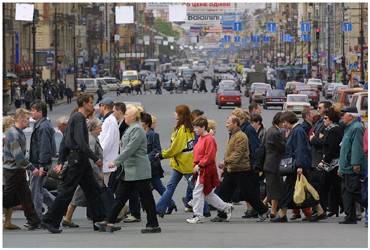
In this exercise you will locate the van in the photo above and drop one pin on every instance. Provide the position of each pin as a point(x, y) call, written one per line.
point(130, 78)
point(343, 96)
point(359, 101)
point(92, 84)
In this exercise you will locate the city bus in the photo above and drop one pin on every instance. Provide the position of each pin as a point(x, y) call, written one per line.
point(288, 74)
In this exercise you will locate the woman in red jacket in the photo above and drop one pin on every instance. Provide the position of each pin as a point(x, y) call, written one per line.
point(205, 173)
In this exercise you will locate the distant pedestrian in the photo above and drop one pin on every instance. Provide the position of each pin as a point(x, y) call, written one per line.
point(69, 94)
point(14, 170)
point(49, 98)
point(29, 97)
point(61, 89)
point(100, 93)
point(17, 98)
point(203, 86)
point(158, 87)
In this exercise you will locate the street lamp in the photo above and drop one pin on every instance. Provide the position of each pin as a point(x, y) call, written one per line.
point(343, 56)
point(35, 16)
point(55, 44)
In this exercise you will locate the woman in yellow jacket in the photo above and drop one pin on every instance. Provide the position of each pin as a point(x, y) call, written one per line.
point(180, 153)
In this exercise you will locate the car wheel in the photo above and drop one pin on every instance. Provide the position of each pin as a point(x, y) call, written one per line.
point(219, 106)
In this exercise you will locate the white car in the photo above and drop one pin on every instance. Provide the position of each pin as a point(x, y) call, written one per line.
point(315, 81)
point(296, 103)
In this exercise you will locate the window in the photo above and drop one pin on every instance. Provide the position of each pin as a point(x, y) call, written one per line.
point(364, 103)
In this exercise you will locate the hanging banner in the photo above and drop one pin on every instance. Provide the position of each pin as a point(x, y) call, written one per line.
point(124, 14)
point(17, 52)
point(24, 12)
point(177, 13)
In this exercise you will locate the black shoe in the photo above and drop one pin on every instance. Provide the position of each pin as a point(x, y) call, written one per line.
point(318, 217)
point(149, 230)
point(295, 216)
point(207, 215)
point(212, 208)
point(219, 219)
point(185, 201)
point(348, 221)
point(280, 219)
point(331, 214)
point(51, 228)
point(104, 227)
point(33, 227)
point(170, 209)
point(250, 214)
point(69, 224)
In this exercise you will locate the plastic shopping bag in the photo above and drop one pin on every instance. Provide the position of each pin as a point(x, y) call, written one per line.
point(299, 190)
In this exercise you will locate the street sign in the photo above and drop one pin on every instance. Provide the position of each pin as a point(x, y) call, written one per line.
point(17, 54)
point(347, 26)
point(237, 26)
point(237, 39)
point(306, 37)
point(255, 38)
point(271, 27)
point(117, 37)
point(288, 38)
point(266, 39)
point(305, 27)
point(227, 39)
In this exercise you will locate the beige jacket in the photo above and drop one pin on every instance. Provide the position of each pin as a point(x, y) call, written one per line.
point(237, 153)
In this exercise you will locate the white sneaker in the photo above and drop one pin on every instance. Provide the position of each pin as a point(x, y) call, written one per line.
point(195, 220)
point(228, 211)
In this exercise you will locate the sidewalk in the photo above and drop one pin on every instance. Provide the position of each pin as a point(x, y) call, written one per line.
point(59, 102)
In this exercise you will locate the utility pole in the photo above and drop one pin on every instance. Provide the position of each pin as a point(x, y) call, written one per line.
point(34, 46)
point(362, 41)
point(74, 52)
point(55, 44)
point(329, 59)
point(343, 55)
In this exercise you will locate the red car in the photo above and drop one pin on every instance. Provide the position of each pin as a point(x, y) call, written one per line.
point(228, 97)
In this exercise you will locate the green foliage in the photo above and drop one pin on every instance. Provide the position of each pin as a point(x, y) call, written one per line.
point(165, 28)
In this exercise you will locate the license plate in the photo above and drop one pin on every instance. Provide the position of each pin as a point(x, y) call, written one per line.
point(297, 108)
point(230, 103)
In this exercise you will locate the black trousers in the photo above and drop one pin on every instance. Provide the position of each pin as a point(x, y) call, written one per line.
point(331, 196)
point(77, 174)
point(124, 192)
point(351, 193)
point(16, 191)
point(248, 184)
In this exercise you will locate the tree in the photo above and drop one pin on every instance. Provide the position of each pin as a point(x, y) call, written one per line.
point(165, 28)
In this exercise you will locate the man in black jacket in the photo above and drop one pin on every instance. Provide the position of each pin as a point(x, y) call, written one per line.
point(42, 149)
point(79, 171)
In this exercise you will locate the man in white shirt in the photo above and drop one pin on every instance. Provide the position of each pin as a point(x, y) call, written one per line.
point(109, 137)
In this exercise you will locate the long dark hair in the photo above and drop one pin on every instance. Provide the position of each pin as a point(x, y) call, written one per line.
point(183, 112)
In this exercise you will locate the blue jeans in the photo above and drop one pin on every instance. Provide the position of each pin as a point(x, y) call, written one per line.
point(165, 200)
point(160, 188)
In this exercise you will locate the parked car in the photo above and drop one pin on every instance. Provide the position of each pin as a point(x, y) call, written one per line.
point(296, 103)
point(359, 101)
point(92, 84)
point(274, 97)
point(111, 82)
point(315, 81)
point(313, 96)
point(167, 80)
point(328, 89)
point(151, 81)
point(291, 86)
point(258, 93)
point(343, 96)
point(228, 97)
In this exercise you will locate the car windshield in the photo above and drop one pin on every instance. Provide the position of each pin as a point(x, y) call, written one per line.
point(297, 98)
point(129, 78)
point(307, 92)
point(314, 80)
point(187, 73)
point(111, 80)
point(277, 93)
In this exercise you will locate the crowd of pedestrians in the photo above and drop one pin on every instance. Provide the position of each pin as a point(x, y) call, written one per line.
point(103, 163)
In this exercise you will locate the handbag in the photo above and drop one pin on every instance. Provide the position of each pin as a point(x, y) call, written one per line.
point(286, 166)
point(333, 164)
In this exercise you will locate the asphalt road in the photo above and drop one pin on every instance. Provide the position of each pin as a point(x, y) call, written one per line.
point(175, 232)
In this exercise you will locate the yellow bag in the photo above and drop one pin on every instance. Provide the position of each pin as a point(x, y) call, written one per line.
point(299, 190)
point(301, 187)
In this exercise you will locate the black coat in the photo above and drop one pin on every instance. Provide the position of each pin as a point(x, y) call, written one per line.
point(317, 143)
point(332, 139)
point(298, 147)
point(154, 147)
point(274, 147)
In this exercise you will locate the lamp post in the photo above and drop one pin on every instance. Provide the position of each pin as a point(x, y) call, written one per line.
point(55, 44)
point(329, 60)
point(35, 15)
point(343, 56)
point(362, 41)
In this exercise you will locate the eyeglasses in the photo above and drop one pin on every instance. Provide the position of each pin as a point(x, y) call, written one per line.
point(326, 118)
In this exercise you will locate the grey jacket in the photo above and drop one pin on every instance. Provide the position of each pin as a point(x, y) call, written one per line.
point(42, 145)
point(97, 149)
point(275, 148)
point(133, 154)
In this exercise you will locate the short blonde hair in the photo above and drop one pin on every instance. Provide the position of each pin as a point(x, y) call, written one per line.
point(8, 121)
point(211, 124)
point(135, 109)
point(62, 120)
point(20, 113)
point(154, 119)
point(240, 114)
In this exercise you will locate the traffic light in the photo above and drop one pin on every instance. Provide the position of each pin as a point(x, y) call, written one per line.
point(317, 33)
point(309, 57)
